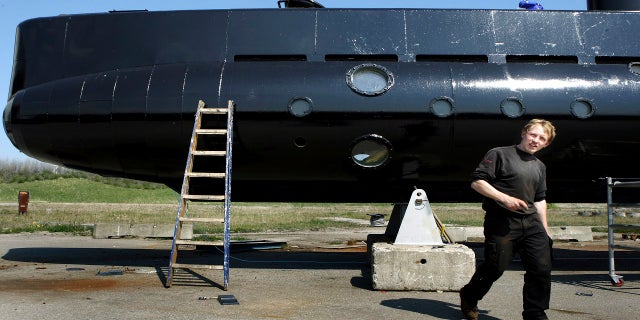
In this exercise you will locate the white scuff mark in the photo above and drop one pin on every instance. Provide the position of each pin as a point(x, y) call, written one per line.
point(360, 46)
point(549, 44)
point(406, 39)
point(497, 44)
point(224, 63)
point(576, 27)
point(588, 29)
point(507, 75)
point(315, 35)
point(184, 84)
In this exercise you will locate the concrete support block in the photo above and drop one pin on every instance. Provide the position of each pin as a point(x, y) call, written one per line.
point(457, 234)
point(111, 230)
point(417, 267)
point(114, 230)
point(571, 233)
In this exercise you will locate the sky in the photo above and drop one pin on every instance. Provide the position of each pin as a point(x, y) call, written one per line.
point(12, 12)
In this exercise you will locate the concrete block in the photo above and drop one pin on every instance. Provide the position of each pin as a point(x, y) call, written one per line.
point(429, 268)
point(457, 234)
point(109, 230)
point(114, 230)
point(476, 233)
point(575, 233)
point(143, 230)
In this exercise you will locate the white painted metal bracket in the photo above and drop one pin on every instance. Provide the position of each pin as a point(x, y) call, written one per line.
point(419, 226)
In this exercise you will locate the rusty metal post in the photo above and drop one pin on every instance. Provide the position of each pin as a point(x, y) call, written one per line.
point(23, 202)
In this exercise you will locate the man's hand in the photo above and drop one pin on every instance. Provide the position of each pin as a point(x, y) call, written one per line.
point(514, 204)
point(509, 202)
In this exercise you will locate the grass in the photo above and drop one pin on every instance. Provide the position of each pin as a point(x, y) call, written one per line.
point(74, 204)
point(80, 190)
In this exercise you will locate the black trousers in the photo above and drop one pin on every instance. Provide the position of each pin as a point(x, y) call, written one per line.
point(505, 234)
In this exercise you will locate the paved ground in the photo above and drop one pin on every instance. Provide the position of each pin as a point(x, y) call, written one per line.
point(56, 276)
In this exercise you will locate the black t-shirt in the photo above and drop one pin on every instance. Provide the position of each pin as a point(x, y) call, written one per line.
point(514, 172)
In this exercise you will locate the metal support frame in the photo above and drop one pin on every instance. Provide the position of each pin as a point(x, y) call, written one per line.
point(419, 225)
point(612, 183)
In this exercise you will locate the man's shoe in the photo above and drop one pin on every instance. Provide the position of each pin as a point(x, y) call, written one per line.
point(469, 308)
point(534, 315)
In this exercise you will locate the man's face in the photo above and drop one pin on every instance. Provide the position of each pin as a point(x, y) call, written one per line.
point(534, 140)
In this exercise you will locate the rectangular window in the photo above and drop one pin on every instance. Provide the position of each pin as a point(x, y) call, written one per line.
point(269, 57)
point(452, 58)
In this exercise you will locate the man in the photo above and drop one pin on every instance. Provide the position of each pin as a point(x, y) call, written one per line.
point(513, 183)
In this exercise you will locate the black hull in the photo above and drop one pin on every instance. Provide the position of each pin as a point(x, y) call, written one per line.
point(116, 94)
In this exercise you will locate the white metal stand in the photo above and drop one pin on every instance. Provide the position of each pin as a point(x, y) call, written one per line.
point(419, 226)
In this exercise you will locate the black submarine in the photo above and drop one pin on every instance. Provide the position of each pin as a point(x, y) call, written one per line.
point(341, 105)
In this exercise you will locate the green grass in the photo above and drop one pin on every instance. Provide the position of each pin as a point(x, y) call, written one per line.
point(36, 227)
point(72, 204)
point(80, 190)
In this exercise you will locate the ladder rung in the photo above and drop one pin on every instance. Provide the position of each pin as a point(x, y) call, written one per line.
point(199, 243)
point(208, 153)
point(211, 220)
point(205, 174)
point(211, 131)
point(213, 110)
point(203, 197)
point(197, 266)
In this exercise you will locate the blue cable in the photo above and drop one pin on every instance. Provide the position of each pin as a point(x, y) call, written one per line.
point(530, 6)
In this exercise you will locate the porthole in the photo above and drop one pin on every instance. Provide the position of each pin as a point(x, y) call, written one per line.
point(371, 151)
point(300, 142)
point(634, 67)
point(300, 107)
point(512, 107)
point(369, 79)
point(441, 107)
point(582, 108)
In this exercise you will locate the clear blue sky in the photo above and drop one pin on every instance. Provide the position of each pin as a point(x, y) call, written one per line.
point(12, 12)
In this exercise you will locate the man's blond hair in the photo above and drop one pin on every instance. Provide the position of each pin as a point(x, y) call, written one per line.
point(547, 126)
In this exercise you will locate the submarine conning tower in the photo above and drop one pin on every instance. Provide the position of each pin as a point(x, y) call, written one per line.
point(618, 5)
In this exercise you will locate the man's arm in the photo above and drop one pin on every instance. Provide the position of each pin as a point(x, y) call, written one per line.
point(484, 188)
point(541, 207)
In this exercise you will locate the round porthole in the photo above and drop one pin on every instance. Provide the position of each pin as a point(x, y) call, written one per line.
point(300, 142)
point(300, 107)
point(369, 79)
point(512, 107)
point(441, 107)
point(634, 67)
point(582, 108)
point(371, 151)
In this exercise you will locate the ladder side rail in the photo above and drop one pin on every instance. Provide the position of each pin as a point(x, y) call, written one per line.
point(610, 238)
point(183, 192)
point(227, 195)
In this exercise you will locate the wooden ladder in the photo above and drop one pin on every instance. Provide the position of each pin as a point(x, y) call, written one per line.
point(186, 196)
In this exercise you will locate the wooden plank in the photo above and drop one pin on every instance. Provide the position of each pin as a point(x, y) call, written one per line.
point(199, 243)
point(204, 197)
point(205, 174)
point(212, 131)
point(197, 266)
point(206, 220)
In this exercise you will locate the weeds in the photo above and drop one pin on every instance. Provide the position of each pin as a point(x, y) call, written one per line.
point(32, 170)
